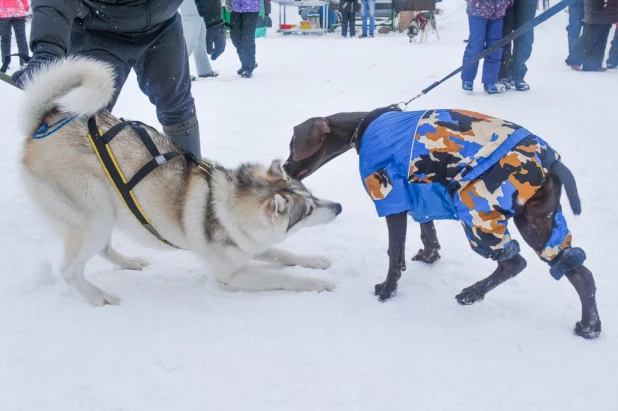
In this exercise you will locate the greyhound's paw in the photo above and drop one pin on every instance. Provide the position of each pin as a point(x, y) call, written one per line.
point(471, 295)
point(135, 263)
point(590, 331)
point(427, 255)
point(316, 284)
point(385, 292)
point(316, 261)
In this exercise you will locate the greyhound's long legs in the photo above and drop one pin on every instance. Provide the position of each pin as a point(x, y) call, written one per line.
point(429, 253)
point(397, 227)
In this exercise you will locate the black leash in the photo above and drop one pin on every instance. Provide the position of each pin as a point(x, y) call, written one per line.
point(7, 79)
point(528, 26)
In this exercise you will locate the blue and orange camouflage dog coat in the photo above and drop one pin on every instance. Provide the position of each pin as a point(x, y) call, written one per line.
point(460, 165)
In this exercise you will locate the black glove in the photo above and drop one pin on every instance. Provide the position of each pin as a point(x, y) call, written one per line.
point(215, 39)
point(38, 59)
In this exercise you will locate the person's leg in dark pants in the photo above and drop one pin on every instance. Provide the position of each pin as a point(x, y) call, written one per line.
point(525, 10)
point(506, 65)
point(612, 59)
point(19, 25)
point(475, 46)
point(595, 41)
point(5, 43)
point(352, 24)
point(344, 23)
point(236, 20)
point(576, 23)
point(106, 48)
point(491, 65)
point(163, 75)
point(249, 25)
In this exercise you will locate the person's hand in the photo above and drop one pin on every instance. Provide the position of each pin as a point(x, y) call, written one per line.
point(39, 59)
point(215, 39)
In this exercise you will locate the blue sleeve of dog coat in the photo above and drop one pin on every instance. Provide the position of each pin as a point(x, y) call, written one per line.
point(384, 160)
point(388, 189)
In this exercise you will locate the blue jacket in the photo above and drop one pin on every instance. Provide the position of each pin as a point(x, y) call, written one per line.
point(415, 162)
point(488, 9)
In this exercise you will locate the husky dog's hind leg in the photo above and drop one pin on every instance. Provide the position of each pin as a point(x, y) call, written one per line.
point(80, 245)
point(121, 260)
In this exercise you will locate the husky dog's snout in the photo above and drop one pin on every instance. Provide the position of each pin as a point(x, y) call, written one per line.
point(338, 208)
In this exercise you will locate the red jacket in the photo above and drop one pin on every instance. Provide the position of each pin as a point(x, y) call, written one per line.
point(13, 8)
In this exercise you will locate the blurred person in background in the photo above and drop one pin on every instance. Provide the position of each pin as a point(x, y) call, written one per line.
point(348, 10)
point(243, 21)
point(145, 36)
point(486, 18)
point(588, 54)
point(13, 16)
point(195, 38)
point(515, 54)
point(612, 59)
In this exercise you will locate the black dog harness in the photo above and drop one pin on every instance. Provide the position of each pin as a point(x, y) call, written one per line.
point(100, 143)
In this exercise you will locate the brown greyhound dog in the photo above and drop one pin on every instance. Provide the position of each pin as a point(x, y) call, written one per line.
point(459, 165)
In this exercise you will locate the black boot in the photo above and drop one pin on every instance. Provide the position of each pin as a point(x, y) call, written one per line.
point(186, 135)
point(5, 64)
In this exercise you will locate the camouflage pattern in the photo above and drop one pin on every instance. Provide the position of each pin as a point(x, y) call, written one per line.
point(485, 204)
point(462, 165)
point(449, 143)
point(378, 185)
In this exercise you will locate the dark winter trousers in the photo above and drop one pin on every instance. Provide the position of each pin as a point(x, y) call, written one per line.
point(589, 50)
point(243, 37)
point(484, 33)
point(19, 26)
point(576, 23)
point(348, 19)
point(161, 64)
point(517, 53)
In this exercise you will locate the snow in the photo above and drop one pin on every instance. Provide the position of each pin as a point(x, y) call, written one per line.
point(180, 342)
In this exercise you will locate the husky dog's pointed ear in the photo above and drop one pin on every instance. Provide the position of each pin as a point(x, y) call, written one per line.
point(308, 138)
point(278, 205)
point(277, 171)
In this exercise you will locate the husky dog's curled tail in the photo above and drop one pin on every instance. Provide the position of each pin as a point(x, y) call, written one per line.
point(79, 86)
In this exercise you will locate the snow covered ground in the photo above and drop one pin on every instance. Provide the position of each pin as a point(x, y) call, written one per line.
point(179, 342)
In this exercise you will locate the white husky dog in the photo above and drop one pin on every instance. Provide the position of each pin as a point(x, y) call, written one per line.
point(228, 217)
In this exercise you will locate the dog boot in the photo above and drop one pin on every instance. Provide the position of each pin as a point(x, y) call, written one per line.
point(494, 88)
point(521, 85)
point(467, 85)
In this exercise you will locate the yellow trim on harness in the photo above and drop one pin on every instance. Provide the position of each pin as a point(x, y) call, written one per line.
point(111, 155)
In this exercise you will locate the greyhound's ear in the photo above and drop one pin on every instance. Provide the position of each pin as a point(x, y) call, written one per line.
point(322, 125)
point(308, 138)
point(278, 206)
point(277, 171)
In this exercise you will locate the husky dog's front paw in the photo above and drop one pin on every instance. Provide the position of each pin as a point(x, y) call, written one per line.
point(135, 263)
point(316, 261)
point(316, 284)
point(98, 298)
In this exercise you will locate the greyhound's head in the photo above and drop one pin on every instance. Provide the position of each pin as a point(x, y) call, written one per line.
point(318, 140)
